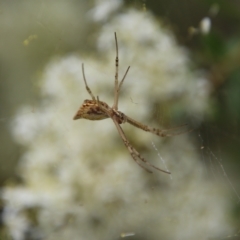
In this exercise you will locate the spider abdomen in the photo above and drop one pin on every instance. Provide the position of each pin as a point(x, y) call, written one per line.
point(90, 110)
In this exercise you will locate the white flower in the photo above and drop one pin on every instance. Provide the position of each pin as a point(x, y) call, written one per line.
point(80, 177)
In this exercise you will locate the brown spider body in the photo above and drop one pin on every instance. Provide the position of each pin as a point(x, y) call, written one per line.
point(97, 110)
point(90, 110)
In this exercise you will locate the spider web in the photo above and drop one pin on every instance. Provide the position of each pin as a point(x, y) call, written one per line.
point(59, 180)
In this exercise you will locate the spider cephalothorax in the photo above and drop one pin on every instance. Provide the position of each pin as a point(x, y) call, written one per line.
point(97, 110)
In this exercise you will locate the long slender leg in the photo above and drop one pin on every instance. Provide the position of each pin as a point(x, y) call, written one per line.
point(116, 86)
point(115, 104)
point(120, 85)
point(126, 143)
point(85, 81)
point(162, 133)
point(134, 153)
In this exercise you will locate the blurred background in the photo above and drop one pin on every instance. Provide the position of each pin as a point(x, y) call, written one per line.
point(59, 179)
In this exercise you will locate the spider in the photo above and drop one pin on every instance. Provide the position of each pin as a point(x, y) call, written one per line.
point(97, 110)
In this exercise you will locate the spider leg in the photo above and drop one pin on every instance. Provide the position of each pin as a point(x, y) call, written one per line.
point(120, 85)
point(134, 153)
point(148, 163)
point(116, 86)
point(115, 104)
point(98, 101)
point(162, 133)
point(85, 81)
point(127, 144)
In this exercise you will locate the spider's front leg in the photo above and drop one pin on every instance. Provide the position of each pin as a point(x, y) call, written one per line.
point(117, 86)
point(134, 153)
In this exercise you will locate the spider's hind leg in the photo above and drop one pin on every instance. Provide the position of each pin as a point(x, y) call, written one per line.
point(85, 81)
